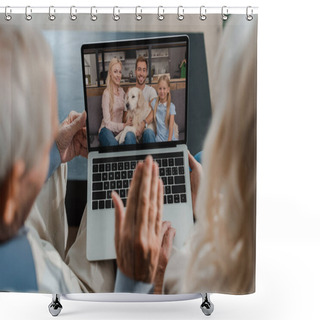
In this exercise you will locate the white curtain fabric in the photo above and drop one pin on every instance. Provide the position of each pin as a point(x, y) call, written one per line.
point(66, 37)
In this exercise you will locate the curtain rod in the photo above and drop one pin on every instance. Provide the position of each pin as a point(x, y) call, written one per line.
point(138, 10)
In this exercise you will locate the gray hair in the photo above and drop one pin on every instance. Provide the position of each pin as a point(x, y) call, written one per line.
point(25, 97)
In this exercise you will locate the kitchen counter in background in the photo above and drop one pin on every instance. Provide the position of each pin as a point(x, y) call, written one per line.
point(175, 84)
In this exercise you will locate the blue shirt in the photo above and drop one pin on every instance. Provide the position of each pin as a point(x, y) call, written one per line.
point(162, 130)
point(125, 284)
point(17, 269)
point(55, 160)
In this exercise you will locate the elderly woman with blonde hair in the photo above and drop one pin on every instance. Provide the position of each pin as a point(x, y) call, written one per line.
point(220, 253)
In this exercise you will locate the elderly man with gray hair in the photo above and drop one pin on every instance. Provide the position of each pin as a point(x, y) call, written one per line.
point(34, 150)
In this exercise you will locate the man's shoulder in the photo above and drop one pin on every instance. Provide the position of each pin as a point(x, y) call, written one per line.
point(149, 93)
point(17, 267)
point(17, 239)
point(148, 88)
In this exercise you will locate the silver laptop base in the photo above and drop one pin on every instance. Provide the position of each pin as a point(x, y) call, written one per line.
point(55, 306)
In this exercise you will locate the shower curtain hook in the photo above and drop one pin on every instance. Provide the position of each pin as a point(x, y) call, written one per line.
point(138, 16)
point(7, 16)
point(249, 16)
point(73, 15)
point(116, 16)
point(203, 13)
point(224, 13)
point(93, 16)
point(180, 14)
point(52, 17)
point(160, 16)
point(28, 12)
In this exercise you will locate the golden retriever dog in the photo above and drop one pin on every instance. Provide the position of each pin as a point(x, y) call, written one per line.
point(137, 109)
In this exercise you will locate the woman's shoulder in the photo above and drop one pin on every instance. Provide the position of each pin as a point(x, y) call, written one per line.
point(106, 92)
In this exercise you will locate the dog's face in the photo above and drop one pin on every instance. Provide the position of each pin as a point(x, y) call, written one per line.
point(134, 99)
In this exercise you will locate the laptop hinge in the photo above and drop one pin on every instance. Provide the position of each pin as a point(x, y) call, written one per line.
point(171, 144)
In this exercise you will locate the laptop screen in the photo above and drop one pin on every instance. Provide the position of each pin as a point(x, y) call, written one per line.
point(136, 93)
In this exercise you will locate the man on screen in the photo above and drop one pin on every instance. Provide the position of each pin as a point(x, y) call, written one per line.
point(149, 94)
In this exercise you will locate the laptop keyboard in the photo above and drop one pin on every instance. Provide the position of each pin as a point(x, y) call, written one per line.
point(110, 174)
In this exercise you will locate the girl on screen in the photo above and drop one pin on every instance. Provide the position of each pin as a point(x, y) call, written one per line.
point(164, 111)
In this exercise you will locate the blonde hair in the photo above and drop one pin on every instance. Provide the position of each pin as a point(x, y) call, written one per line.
point(110, 85)
point(166, 121)
point(223, 243)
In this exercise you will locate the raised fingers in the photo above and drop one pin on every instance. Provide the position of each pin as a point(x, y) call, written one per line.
point(73, 115)
point(167, 242)
point(158, 222)
point(165, 225)
point(119, 216)
point(192, 161)
point(153, 196)
point(144, 195)
point(133, 196)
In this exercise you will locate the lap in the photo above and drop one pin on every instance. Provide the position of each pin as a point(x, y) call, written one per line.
point(48, 225)
point(107, 138)
point(48, 214)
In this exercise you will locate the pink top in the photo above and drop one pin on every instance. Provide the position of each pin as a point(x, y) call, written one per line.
point(115, 125)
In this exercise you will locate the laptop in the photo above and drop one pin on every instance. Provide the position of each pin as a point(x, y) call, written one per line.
point(111, 168)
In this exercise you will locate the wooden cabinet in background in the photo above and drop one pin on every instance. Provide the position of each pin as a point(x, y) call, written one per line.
point(175, 84)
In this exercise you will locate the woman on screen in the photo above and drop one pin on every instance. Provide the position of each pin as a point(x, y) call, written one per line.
point(113, 108)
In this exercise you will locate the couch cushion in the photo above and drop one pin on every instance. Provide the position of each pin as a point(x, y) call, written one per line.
point(95, 114)
point(178, 98)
